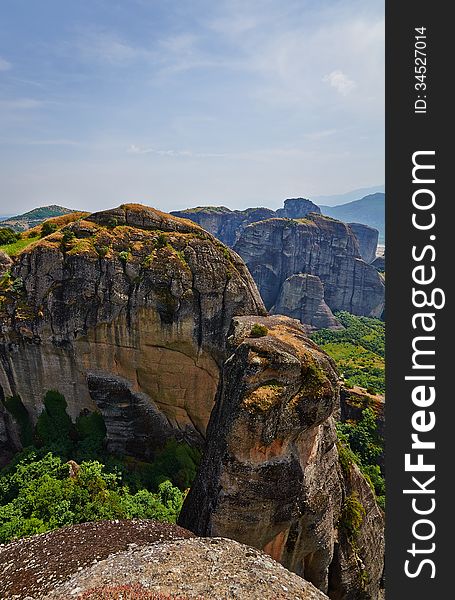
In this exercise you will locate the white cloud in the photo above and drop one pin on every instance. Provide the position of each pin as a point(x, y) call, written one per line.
point(134, 149)
point(107, 47)
point(21, 104)
point(5, 65)
point(341, 82)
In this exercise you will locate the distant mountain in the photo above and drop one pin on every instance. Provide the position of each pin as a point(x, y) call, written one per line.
point(369, 210)
point(337, 199)
point(34, 217)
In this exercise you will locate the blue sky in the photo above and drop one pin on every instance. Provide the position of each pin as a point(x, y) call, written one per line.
point(177, 103)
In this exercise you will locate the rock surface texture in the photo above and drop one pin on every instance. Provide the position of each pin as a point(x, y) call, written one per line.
point(379, 263)
point(368, 240)
point(32, 567)
point(5, 262)
point(202, 569)
point(297, 208)
point(302, 297)
point(227, 225)
point(276, 249)
point(271, 474)
point(126, 306)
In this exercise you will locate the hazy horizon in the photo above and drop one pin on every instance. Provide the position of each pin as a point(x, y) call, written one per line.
point(189, 103)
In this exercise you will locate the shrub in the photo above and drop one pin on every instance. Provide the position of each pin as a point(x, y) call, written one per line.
point(41, 494)
point(160, 241)
point(124, 256)
point(8, 236)
point(361, 443)
point(47, 228)
point(352, 515)
point(102, 251)
point(258, 331)
point(17, 285)
point(53, 426)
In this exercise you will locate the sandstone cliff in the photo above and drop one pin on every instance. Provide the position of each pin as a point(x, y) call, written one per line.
point(271, 475)
point(125, 311)
point(227, 225)
point(276, 249)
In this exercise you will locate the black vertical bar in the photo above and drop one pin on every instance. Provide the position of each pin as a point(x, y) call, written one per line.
point(407, 132)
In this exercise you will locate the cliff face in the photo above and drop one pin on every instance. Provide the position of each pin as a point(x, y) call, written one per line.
point(271, 474)
point(297, 208)
point(227, 225)
point(368, 240)
point(302, 297)
point(276, 249)
point(223, 223)
point(124, 310)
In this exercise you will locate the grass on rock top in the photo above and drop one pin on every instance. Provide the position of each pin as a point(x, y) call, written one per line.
point(17, 247)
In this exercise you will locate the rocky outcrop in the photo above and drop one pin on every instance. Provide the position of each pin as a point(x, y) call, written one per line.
point(368, 240)
point(302, 297)
point(276, 249)
point(297, 208)
point(227, 225)
point(187, 569)
point(379, 263)
point(128, 305)
point(223, 223)
point(33, 566)
point(271, 474)
point(5, 262)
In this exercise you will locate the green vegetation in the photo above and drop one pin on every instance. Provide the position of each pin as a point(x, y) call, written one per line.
point(65, 475)
point(40, 494)
point(16, 247)
point(124, 256)
point(47, 228)
point(361, 443)
point(15, 407)
point(352, 515)
point(8, 236)
point(258, 331)
point(358, 350)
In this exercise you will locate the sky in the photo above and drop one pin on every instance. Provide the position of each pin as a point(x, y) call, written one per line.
point(180, 103)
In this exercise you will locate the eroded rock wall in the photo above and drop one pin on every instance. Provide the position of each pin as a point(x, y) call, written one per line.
point(271, 474)
point(130, 295)
point(276, 249)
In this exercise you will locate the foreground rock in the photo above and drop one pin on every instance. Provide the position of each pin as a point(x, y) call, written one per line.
point(227, 225)
point(279, 248)
point(124, 311)
point(203, 569)
point(271, 474)
point(33, 566)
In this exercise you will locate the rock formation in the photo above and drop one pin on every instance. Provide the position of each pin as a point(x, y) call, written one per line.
point(227, 225)
point(5, 262)
point(124, 308)
point(302, 297)
point(276, 249)
point(379, 263)
point(33, 566)
point(271, 475)
point(297, 208)
point(187, 569)
point(368, 240)
point(152, 321)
